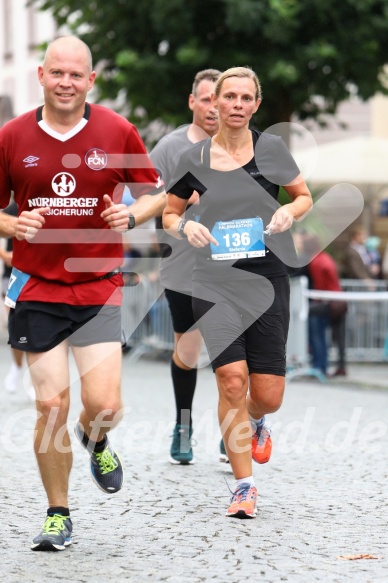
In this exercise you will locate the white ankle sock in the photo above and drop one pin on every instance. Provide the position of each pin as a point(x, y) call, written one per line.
point(13, 378)
point(249, 480)
point(255, 421)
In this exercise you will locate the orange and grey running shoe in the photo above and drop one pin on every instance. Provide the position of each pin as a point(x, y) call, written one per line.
point(243, 502)
point(261, 443)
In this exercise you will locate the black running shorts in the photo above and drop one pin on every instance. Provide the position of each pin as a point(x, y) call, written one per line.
point(40, 326)
point(231, 334)
point(181, 308)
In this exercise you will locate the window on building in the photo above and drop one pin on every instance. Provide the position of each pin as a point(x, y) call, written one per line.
point(7, 30)
point(32, 39)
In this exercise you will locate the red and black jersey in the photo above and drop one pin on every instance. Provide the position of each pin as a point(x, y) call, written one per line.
point(70, 173)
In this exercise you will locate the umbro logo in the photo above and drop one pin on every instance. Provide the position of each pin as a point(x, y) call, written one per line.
point(30, 161)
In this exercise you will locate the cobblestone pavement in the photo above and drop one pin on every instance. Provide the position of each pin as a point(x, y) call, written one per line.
point(323, 494)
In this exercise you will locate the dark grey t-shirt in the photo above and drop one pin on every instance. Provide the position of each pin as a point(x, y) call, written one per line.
point(176, 268)
point(237, 195)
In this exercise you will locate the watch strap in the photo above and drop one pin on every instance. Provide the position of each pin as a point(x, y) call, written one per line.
point(131, 221)
point(181, 226)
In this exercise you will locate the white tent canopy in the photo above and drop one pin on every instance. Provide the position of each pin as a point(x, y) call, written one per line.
point(359, 160)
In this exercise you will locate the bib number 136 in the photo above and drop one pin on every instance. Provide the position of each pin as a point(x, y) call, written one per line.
point(238, 239)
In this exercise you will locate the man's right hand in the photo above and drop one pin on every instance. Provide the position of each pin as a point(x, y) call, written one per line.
point(28, 223)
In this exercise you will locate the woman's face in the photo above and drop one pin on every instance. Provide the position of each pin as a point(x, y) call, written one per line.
point(236, 102)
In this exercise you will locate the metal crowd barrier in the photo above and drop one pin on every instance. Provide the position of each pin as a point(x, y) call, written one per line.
point(366, 320)
point(148, 329)
point(297, 344)
point(146, 320)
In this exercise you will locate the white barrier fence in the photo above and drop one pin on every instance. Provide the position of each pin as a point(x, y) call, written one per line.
point(366, 320)
point(297, 344)
point(147, 322)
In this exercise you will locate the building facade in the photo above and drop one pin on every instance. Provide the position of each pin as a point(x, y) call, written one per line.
point(22, 30)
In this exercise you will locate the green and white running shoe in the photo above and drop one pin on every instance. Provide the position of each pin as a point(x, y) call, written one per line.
point(105, 466)
point(55, 535)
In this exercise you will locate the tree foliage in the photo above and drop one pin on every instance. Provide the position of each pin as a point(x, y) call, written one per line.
point(309, 55)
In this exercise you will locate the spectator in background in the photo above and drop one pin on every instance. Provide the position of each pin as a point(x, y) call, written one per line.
point(357, 262)
point(384, 263)
point(372, 245)
point(323, 275)
point(14, 376)
point(15, 373)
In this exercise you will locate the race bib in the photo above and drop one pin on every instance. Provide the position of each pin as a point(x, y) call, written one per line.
point(17, 281)
point(238, 239)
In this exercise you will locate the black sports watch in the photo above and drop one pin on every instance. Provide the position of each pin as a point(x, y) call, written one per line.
point(181, 226)
point(131, 222)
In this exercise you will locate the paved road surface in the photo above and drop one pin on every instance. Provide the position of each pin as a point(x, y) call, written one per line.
point(323, 494)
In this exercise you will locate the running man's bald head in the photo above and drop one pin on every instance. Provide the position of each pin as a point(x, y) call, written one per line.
point(69, 43)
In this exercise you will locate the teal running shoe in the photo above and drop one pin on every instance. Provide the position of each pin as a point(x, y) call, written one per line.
point(181, 451)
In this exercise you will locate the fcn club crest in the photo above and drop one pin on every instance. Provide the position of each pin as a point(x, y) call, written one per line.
point(96, 159)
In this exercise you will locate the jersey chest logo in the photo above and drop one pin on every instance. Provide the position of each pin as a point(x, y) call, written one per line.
point(96, 159)
point(63, 184)
point(31, 161)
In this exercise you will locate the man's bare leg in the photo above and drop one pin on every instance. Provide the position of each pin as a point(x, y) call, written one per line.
point(99, 367)
point(50, 376)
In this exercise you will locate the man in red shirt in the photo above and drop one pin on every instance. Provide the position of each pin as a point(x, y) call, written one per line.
point(68, 163)
point(323, 275)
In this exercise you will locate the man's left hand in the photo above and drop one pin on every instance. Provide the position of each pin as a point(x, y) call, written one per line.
point(116, 215)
